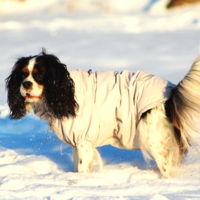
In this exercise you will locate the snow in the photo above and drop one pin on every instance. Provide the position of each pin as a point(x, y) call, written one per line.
point(97, 35)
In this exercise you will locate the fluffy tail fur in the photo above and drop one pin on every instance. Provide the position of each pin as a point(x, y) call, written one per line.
point(185, 108)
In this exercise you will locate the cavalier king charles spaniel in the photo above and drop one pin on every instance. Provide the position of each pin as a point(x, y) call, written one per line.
point(87, 110)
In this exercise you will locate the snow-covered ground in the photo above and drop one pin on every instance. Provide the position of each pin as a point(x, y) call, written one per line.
point(98, 35)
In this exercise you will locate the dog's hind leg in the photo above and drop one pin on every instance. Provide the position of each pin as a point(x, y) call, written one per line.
point(157, 140)
point(85, 157)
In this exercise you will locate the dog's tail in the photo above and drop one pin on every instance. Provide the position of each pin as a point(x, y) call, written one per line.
point(185, 108)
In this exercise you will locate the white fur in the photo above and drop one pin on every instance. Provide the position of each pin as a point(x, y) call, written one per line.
point(31, 64)
point(157, 140)
point(36, 90)
point(85, 157)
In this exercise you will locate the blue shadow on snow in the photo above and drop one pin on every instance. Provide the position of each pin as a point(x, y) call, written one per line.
point(31, 135)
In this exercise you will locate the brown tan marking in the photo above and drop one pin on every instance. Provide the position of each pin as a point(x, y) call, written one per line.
point(35, 70)
point(25, 70)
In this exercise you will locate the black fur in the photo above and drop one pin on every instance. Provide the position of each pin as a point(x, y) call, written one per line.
point(170, 112)
point(15, 101)
point(59, 90)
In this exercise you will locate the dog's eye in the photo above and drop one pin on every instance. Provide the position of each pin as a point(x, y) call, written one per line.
point(39, 76)
point(24, 75)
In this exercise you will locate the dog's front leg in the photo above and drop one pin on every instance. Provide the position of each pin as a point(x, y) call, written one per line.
point(85, 157)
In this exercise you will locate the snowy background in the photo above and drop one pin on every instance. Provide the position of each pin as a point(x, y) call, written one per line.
point(97, 35)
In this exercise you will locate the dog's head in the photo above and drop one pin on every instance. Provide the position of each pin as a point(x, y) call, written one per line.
point(41, 77)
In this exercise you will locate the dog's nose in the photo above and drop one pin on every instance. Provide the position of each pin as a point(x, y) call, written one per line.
point(27, 84)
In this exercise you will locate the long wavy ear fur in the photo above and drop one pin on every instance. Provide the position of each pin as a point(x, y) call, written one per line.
point(59, 91)
point(15, 101)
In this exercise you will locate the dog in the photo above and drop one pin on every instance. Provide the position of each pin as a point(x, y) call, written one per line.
point(124, 109)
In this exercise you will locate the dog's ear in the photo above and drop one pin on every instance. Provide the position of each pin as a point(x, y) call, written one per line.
point(59, 91)
point(15, 101)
